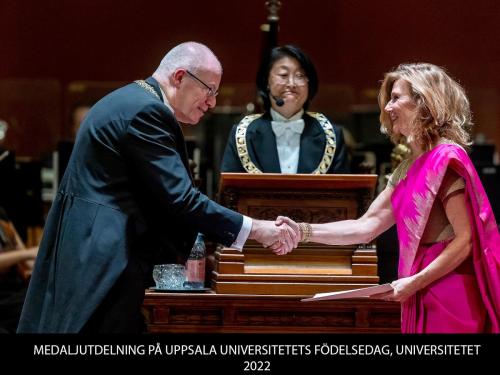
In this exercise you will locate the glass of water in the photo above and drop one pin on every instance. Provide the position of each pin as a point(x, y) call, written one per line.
point(169, 276)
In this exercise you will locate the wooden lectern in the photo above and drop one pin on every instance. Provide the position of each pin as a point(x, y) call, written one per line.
point(311, 268)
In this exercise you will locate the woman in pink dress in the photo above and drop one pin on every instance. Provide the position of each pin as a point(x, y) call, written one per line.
point(449, 263)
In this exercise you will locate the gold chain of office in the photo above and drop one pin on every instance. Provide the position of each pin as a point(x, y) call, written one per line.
point(328, 153)
point(146, 86)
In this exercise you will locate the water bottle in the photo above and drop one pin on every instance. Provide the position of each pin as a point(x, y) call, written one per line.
point(195, 265)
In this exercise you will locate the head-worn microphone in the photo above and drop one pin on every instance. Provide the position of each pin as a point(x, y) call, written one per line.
point(279, 101)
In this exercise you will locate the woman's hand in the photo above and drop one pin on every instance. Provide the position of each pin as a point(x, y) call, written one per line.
point(280, 220)
point(281, 239)
point(283, 221)
point(402, 289)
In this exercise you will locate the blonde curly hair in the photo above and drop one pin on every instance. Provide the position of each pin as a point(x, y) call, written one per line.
point(442, 107)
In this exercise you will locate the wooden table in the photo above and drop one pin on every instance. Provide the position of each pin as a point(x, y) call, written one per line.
point(235, 313)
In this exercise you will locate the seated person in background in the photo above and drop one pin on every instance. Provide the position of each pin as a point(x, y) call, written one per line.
point(16, 263)
point(286, 138)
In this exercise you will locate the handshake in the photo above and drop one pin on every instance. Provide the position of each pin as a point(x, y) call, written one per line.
point(281, 236)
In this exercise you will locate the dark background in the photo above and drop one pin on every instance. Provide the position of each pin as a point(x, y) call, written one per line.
point(56, 52)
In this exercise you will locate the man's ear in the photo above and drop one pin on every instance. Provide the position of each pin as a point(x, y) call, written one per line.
point(177, 77)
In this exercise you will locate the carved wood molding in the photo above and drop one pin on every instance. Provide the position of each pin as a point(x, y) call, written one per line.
point(300, 195)
point(330, 206)
point(306, 214)
point(169, 312)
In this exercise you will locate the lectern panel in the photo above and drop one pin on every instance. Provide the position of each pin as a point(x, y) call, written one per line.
point(311, 268)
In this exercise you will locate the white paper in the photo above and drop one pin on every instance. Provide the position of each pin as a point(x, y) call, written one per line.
point(356, 293)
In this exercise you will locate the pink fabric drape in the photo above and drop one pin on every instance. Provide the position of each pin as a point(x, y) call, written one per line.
point(467, 299)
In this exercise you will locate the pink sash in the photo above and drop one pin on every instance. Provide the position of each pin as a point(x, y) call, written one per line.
point(474, 290)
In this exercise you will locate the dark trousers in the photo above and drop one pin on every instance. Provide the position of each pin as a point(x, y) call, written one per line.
point(120, 311)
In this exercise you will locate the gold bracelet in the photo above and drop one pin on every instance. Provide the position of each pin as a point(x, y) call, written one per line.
point(306, 231)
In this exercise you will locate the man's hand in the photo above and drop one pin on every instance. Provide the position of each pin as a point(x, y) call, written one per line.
point(292, 224)
point(282, 221)
point(282, 239)
point(285, 222)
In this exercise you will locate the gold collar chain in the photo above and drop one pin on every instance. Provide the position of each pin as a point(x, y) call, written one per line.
point(146, 86)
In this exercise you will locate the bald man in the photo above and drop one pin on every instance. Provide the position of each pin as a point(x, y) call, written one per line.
point(127, 202)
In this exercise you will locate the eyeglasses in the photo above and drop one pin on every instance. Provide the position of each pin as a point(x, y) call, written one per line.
point(212, 92)
point(299, 79)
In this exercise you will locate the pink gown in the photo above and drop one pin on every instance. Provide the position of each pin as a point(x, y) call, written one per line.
point(467, 300)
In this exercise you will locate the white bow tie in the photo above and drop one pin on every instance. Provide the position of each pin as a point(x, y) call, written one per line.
point(280, 127)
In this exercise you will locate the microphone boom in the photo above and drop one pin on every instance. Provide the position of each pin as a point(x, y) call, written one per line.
point(279, 102)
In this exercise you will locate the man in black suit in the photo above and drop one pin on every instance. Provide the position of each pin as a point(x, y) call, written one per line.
point(127, 202)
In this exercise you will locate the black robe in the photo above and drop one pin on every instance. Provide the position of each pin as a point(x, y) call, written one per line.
point(126, 202)
point(262, 149)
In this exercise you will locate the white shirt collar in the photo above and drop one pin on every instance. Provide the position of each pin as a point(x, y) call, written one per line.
point(288, 133)
point(276, 116)
point(165, 101)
